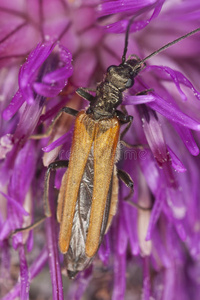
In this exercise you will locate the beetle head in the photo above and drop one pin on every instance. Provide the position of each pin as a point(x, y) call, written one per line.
point(122, 76)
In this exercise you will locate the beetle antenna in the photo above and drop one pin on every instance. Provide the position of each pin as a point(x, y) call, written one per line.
point(170, 44)
point(126, 40)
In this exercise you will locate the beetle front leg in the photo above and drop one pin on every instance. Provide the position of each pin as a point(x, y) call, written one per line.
point(83, 92)
point(124, 119)
point(67, 110)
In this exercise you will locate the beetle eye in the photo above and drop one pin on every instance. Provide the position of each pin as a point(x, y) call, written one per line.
point(110, 67)
point(129, 83)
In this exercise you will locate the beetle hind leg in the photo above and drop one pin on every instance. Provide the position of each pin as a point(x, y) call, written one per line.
point(127, 180)
point(47, 210)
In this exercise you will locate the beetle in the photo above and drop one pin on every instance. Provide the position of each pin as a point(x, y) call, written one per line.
point(88, 196)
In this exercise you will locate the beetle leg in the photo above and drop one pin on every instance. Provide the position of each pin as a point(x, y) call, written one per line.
point(124, 119)
point(53, 166)
point(136, 146)
point(83, 92)
point(30, 227)
point(67, 110)
point(145, 92)
point(126, 178)
point(47, 211)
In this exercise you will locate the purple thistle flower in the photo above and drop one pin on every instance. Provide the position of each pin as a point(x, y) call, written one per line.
point(146, 254)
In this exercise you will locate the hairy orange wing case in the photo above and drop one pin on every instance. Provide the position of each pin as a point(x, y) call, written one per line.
point(114, 198)
point(61, 197)
point(81, 145)
point(105, 144)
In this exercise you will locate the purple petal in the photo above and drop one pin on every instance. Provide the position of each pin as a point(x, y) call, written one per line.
point(78, 288)
point(35, 268)
point(170, 279)
point(160, 248)
point(29, 70)
point(54, 265)
point(121, 25)
point(119, 277)
point(130, 214)
point(112, 7)
point(187, 139)
point(104, 250)
point(34, 61)
point(173, 113)
point(122, 238)
point(24, 274)
point(54, 82)
point(154, 134)
point(23, 172)
point(65, 69)
point(6, 145)
point(58, 75)
point(150, 171)
point(47, 90)
point(14, 106)
point(140, 99)
point(5, 230)
point(16, 204)
point(178, 79)
point(5, 265)
point(176, 163)
point(65, 138)
point(157, 208)
point(146, 280)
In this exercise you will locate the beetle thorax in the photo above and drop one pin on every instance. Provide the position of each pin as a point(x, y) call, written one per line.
point(109, 91)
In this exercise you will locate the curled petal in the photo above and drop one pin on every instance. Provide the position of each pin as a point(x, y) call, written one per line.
point(177, 77)
point(187, 139)
point(29, 71)
point(173, 113)
point(121, 25)
point(44, 73)
point(53, 82)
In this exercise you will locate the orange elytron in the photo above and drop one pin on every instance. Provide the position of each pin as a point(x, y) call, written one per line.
point(91, 139)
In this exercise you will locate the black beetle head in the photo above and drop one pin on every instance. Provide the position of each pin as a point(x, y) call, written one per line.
point(122, 76)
